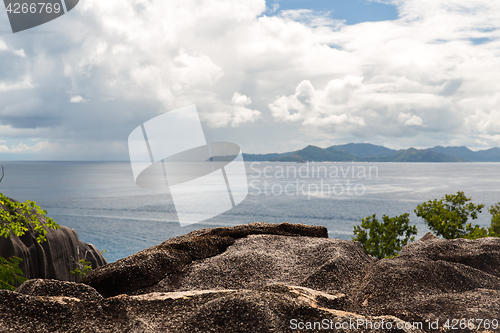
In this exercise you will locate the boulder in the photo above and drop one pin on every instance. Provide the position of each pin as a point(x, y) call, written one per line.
point(52, 259)
point(148, 267)
point(435, 279)
point(47, 287)
point(329, 265)
point(267, 278)
point(274, 308)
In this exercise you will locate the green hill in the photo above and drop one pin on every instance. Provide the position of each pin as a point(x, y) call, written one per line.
point(366, 152)
point(364, 149)
point(416, 155)
point(316, 154)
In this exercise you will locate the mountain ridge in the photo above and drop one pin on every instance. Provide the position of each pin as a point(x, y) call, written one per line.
point(367, 152)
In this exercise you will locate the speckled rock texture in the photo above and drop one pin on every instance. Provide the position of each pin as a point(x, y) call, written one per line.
point(148, 267)
point(268, 278)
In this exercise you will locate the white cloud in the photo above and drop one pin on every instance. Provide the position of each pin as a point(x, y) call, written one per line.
point(242, 114)
point(235, 115)
point(24, 83)
point(419, 79)
point(78, 99)
point(410, 119)
point(321, 108)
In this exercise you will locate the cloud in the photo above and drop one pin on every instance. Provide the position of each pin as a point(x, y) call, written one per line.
point(409, 120)
point(235, 115)
point(24, 83)
point(43, 146)
point(78, 99)
point(297, 74)
point(321, 108)
point(242, 114)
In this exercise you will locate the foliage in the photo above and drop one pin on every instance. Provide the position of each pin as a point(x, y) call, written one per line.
point(10, 273)
point(448, 216)
point(494, 229)
point(383, 239)
point(15, 217)
point(84, 267)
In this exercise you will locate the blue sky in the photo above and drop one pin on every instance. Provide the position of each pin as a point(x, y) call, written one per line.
point(352, 11)
point(403, 73)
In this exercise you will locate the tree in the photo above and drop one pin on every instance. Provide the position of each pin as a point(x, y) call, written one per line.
point(448, 216)
point(494, 229)
point(383, 239)
point(16, 217)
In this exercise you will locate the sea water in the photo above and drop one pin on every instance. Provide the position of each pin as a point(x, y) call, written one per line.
point(101, 201)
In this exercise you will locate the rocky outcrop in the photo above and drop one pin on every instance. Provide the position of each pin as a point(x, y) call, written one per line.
point(435, 279)
point(274, 308)
point(150, 266)
point(53, 259)
point(269, 278)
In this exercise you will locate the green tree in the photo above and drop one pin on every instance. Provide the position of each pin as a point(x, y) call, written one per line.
point(494, 229)
point(448, 216)
point(10, 273)
point(15, 217)
point(384, 239)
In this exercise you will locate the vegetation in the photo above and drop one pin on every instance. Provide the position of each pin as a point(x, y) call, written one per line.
point(494, 229)
point(447, 217)
point(384, 239)
point(84, 267)
point(10, 273)
point(16, 217)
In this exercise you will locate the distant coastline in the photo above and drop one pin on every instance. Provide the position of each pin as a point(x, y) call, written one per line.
point(366, 152)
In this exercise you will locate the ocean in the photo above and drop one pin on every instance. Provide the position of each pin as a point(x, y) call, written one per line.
point(101, 201)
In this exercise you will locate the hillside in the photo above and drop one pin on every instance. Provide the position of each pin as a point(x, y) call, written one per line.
point(316, 154)
point(415, 155)
point(366, 152)
point(364, 149)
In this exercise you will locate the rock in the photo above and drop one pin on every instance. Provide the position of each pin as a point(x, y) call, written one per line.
point(53, 259)
point(435, 280)
point(150, 266)
point(428, 236)
point(46, 287)
point(275, 308)
point(329, 265)
point(259, 277)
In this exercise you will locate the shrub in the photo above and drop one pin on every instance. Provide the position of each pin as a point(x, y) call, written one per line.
point(84, 267)
point(383, 239)
point(448, 216)
point(15, 217)
point(494, 229)
point(10, 273)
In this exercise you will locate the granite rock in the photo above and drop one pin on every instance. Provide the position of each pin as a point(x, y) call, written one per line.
point(259, 277)
point(52, 259)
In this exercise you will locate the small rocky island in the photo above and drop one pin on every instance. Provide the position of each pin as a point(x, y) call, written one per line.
point(264, 277)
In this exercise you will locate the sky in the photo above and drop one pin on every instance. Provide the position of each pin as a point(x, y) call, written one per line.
point(271, 76)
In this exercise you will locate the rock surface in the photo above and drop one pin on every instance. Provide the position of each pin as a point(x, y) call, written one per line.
point(53, 259)
point(150, 266)
point(259, 277)
point(269, 309)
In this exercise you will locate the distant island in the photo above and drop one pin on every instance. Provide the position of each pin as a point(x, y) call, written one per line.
point(366, 152)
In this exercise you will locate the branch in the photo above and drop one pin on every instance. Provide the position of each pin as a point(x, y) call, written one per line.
point(2, 175)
